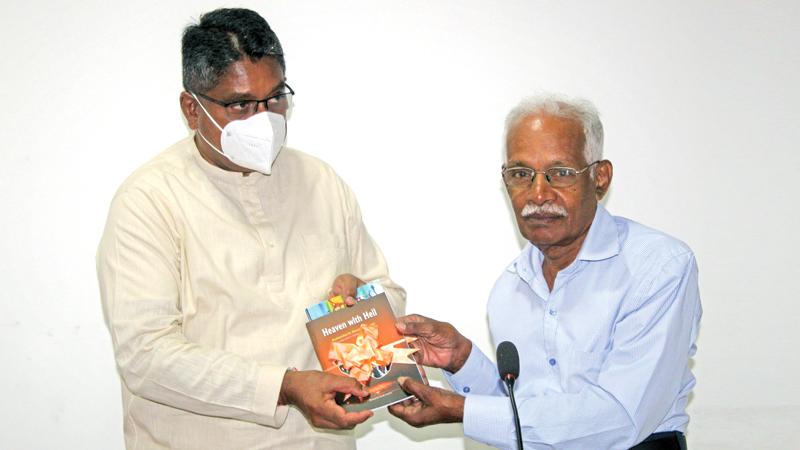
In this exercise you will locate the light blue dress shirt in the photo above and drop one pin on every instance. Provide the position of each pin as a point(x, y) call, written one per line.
point(604, 356)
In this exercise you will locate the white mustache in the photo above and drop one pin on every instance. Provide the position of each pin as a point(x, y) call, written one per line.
point(548, 209)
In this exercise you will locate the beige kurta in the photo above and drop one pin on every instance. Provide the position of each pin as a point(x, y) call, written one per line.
point(205, 275)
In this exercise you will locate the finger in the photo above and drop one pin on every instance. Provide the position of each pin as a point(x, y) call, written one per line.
point(400, 410)
point(339, 286)
point(347, 385)
point(349, 301)
point(411, 318)
point(405, 405)
point(405, 409)
point(397, 409)
point(333, 416)
point(410, 401)
point(416, 388)
point(417, 318)
point(420, 329)
point(351, 419)
point(410, 324)
point(342, 419)
point(349, 289)
point(415, 416)
point(347, 284)
point(336, 290)
point(339, 291)
point(322, 423)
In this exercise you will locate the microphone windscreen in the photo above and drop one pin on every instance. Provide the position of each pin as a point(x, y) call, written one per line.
point(507, 360)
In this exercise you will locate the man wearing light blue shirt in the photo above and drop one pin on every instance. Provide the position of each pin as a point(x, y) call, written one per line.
point(604, 311)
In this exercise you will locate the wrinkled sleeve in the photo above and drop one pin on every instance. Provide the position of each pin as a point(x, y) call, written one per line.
point(637, 384)
point(138, 267)
point(366, 258)
point(478, 376)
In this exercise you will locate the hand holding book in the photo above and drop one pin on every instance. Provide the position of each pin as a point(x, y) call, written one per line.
point(345, 286)
point(440, 345)
point(362, 343)
point(430, 405)
point(315, 392)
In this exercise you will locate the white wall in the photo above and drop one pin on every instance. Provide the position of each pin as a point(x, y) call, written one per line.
point(699, 101)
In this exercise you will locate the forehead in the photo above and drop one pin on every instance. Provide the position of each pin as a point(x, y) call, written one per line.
point(256, 79)
point(540, 139)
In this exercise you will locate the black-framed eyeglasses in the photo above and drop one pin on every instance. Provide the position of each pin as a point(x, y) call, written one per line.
point(240, 109)
point(520, 177)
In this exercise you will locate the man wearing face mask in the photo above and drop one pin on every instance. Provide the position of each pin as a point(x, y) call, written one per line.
point(213, 250)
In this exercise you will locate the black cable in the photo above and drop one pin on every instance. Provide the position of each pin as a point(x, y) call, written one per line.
point(510, 383)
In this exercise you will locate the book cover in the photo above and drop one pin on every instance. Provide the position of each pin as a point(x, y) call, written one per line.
point(362, 342)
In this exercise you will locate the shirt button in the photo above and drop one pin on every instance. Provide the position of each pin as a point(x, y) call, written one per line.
point(552, 312)
point(466, 389)
point(552, 361)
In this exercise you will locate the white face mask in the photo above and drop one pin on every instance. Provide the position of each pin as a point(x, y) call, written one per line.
point(252, 143)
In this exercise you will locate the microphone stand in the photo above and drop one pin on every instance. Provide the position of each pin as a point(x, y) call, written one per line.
point(509, 381)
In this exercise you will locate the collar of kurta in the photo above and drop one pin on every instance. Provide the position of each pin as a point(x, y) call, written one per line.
point(225, 176)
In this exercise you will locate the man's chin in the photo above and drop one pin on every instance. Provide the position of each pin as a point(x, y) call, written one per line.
point(541, 237)
point(545, 227)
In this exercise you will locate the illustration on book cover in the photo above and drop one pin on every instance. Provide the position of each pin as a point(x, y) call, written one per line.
point(362, 342)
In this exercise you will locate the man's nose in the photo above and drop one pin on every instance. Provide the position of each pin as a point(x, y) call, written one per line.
point(540, 190)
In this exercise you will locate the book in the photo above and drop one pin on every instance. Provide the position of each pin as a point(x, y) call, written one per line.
point(326, 307)
point(362, 342)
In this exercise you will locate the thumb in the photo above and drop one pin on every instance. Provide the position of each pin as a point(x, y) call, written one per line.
point(414, 387)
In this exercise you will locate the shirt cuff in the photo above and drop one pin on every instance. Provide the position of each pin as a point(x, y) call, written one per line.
point(478, 375)
point(489, 419)
point(268, 389)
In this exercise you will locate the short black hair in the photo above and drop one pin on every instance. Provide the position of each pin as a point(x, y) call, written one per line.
point(223, 37)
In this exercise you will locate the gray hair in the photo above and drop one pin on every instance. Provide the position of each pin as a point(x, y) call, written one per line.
point(577, 109)
point(221, 38)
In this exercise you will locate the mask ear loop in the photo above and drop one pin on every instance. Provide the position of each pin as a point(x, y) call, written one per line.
point(215, 124)
point(206, 111)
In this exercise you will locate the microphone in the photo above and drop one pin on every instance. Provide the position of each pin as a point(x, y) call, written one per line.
point(508, 361)
point(508, 366)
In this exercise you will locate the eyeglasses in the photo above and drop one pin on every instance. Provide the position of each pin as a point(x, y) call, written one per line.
point(558, 177)
point(240, 109)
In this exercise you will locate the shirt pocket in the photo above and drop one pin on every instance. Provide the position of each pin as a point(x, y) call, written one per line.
point(324, 258)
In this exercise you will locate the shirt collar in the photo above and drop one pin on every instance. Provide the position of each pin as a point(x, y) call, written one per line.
point(602, 242)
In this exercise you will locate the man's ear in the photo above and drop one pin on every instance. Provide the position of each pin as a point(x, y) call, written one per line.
point(190, 109)
point(603, 174)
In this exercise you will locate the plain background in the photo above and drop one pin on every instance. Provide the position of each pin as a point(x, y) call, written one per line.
point(406, 100)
